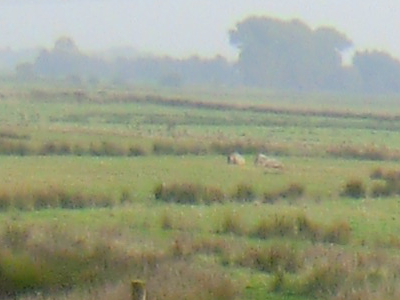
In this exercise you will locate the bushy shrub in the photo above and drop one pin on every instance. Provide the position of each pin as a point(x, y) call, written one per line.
point(163, 148)
point(136, 151)
point(181, 247)
point(244, 193)
point(11, 133)
point(21, 148)
point(184, 280)
point(77, 200)
point(381, 190)
point(278, 281)
point(307, 228)
point(391, 176)
point(390, 185)
point(53, 148)
point(126, 195)
point(339, 232)
point(270, 197)
point(15, 235)
point(292, 192)
point(278, 257)
point(188, 193)
point(19, 273)
point(301, 226)
point(47, 198)
point(58, 259)
point(232, 223)
point(369, 152)
point(275, 226)
point(5, 200)
point(53, 197)
point(166, 221)
point(354, 189)
point(213, 195)
point(185, 193)
point(79, 150)
point(377, 173)
point(324, 279)
point(106, 149)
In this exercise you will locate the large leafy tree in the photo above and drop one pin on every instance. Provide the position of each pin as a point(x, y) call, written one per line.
point(379, 72)
point(279, 54)
point(65, 59)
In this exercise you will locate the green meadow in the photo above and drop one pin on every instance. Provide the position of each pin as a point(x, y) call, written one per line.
point(102, 186)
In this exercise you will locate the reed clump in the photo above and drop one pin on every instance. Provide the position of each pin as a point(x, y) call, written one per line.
point(188, 193)
point(301, 226)
point(55, 197)
point(354, 188)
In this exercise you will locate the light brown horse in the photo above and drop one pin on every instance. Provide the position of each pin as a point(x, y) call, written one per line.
point(236, 159)
point(268, 162)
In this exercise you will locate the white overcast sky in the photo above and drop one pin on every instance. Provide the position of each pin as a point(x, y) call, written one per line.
point(187, 27)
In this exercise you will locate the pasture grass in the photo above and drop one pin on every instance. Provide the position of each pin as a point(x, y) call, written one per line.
point(99, 187)
point(58, 114)
point(317, 178)
point(189, 236)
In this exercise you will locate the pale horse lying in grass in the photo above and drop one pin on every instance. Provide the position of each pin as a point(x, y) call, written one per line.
point(236, 159)
point(268, 162)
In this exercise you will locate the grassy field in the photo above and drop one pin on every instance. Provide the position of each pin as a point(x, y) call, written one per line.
point(99, 187)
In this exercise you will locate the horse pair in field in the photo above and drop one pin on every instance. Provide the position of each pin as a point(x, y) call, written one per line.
point(261, 160)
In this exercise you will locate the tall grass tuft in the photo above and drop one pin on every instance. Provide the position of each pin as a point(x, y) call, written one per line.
point(354, 188)
point(11, 147)
point(275, 258)
point(163, 147)
point(282, 225)
point(6, 200)
point(324, 279)
point(292, 192)
point(232, 223)
point(244, 193)
point(52, 148)
point(107, 149)
point(185, 193)
point(184, 280)
point(369, 152)
point(52, 258)
point(166, 221)
point(390, 185)
point(136, 150)
point(53, 197)
point(301, 226)
point(339, 232)
point(188, 193)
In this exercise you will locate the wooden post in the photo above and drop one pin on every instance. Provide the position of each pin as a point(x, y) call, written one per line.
point(138, 290)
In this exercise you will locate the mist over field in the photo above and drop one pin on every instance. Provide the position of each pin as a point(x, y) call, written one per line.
point(199, 150)
point(278, 47)
point(273, 54)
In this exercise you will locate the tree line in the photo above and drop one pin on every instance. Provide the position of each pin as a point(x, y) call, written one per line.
point(274, 54)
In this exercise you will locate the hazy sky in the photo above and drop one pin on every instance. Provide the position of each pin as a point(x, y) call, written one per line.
point(186, 27)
